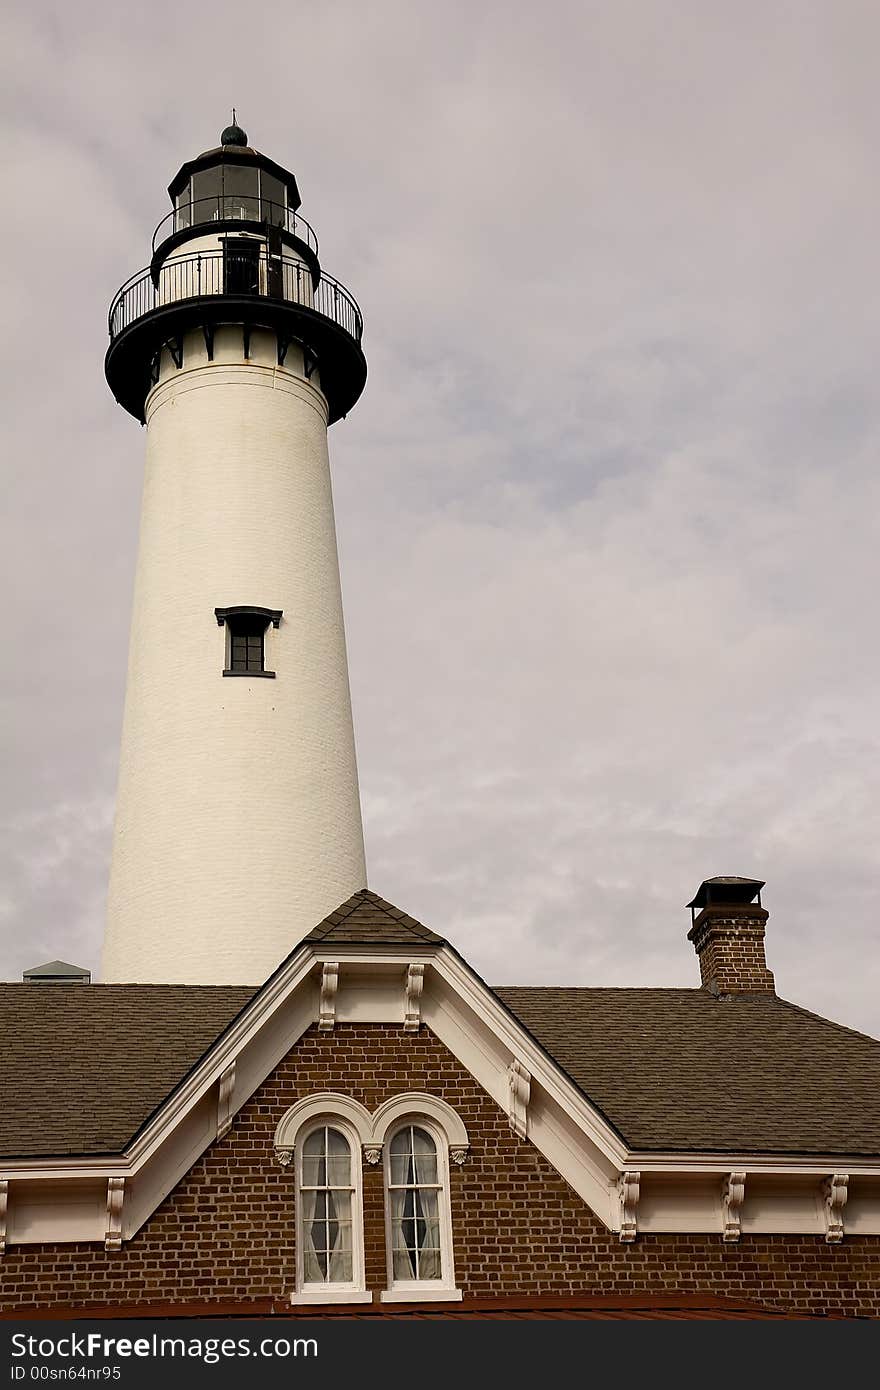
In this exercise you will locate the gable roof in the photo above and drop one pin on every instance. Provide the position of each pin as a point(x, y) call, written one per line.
point(682, 1070)
point(368, 920)
point(82, 1067)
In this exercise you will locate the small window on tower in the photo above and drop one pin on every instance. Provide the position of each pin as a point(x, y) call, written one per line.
point(246, 646)
point(246, 629)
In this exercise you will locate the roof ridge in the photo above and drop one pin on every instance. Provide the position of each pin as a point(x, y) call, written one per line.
point(61, 991)
point(611, 989)
point(828, 1022)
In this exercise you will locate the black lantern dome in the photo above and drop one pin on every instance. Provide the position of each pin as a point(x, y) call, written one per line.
point(234, 135)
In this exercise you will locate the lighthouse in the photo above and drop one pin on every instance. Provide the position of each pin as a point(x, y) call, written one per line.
point(238, 823)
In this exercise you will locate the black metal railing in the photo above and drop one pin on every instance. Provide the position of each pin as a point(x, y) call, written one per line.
point(238, 207)
point(211, 273)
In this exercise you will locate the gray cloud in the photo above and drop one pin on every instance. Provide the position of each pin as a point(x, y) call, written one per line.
point(607, 511)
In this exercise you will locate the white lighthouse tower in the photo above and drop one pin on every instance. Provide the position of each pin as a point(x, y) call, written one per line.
point(238, 822)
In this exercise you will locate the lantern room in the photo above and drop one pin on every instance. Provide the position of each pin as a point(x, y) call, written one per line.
point(232, 187)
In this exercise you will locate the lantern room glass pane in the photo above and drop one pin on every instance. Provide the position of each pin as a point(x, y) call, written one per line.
point(240, 195)
point(184, 208)
point(272, 193)
point(207, 186)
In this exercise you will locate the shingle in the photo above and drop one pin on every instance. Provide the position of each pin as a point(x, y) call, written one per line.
point(82, 1067)
point(679, 1069)
point(366, 919)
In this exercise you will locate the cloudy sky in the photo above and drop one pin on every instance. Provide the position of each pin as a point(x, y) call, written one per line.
point(608, 510)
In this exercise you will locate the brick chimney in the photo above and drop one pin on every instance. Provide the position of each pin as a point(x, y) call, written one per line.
point(728, 936)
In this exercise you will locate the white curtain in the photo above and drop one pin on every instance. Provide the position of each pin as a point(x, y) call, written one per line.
point(415, 1206)
point(325, 1208)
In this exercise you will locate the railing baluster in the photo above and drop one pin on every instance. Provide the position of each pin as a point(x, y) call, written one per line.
point(199, 275)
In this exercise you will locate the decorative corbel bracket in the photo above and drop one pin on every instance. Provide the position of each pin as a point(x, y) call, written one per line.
point(372, 1154)
point(284, 1156)
point(224, 1100)
point(115, 1199)
point(329, 987)
point(4, 1209)
point(415, 983)
point(175, 348)
point(733, 1191)
point(834, 1190)
point(519, 1086)
point(628, 1194)
point(458, 1153)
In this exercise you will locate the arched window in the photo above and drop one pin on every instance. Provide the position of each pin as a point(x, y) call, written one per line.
point(414, 1192)
point(417, 1213)
point(330, 1262)
point(322, 1138)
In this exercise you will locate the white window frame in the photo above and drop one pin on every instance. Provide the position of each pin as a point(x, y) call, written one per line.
point(371, 1133)
point(354, 1290)
point(421, 1290)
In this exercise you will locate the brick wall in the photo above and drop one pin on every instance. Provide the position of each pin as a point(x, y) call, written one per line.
point(226, 1233)
point(729, 942)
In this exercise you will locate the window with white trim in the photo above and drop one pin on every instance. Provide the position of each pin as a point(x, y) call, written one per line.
point(329, 1221)
point(418, 1222)
point(415, 1135)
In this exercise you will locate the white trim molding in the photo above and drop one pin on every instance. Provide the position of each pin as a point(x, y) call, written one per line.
point(420, 1293)
point(329, 990)
point(733, 1191)
point(371, 1129)
point(519, 1088)
point(321, 1105)
point(353, 1290)
point(419, 1105)
point(412, 1008)
point(224, 1100)
point(4, 1208)
point(330, 1295)
point(396, 1118)
point(835, 1190)
point(628, 1196)
point(115, 1199)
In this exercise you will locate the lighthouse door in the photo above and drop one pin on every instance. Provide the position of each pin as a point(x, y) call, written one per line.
point(241, 266)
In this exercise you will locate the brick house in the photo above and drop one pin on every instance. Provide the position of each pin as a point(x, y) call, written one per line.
point(375, 1131)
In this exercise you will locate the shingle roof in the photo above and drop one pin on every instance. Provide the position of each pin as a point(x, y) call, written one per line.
point(368, 920)
point(82, 1067)
point(678, 1069)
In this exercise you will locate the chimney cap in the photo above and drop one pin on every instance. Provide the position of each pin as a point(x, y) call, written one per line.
point(57, 972)
point(727, 888)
